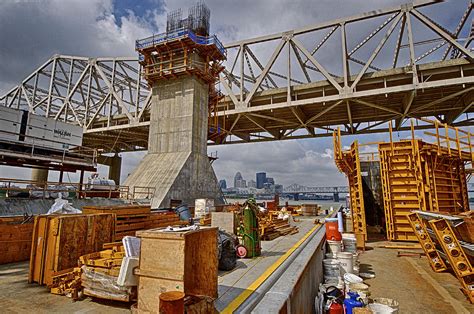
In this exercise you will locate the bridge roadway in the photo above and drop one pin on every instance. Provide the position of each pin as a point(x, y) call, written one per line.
point(283, 86)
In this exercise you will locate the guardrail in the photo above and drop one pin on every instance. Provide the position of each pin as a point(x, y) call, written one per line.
point(198, 39)
point(12, 188)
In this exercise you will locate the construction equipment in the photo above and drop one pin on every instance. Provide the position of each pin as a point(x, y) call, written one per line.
point(442, 246)
point(421, 232)
point(456, 256)
point(249, 231)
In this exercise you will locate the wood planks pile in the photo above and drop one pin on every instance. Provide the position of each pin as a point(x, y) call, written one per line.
point(96, 276)
point(131, 218)
point(15, 238)
point(100, 272)
point(310, 209)
point(272, 229)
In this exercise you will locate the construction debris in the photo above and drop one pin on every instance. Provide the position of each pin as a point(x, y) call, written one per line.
point(97, 276)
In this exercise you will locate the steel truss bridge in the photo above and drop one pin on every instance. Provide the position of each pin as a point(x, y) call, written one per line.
point(297, 188)
point(357, 73)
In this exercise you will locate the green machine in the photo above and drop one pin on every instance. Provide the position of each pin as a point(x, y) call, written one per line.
point(249, 231)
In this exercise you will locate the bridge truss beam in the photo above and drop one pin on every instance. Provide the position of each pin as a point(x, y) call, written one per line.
point(358, 73)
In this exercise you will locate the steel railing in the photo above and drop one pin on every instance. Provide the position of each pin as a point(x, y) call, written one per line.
point(14, 188)
point(163, 37)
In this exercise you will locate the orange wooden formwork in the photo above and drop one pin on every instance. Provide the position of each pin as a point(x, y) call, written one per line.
point(415, 174)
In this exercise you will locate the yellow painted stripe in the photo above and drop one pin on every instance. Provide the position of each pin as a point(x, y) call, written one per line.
point(234, 305)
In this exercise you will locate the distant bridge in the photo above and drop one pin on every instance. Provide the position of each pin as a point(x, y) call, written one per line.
point(297, 188)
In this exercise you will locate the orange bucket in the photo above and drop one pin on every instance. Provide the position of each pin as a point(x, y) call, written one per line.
point(332, 232)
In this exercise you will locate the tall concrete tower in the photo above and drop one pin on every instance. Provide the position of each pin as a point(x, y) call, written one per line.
point(182, 67)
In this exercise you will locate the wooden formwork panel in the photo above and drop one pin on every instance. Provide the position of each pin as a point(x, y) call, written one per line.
point(15, 239)
point(402, 186)
point(357, 193)
point(59, 240)
point(419, 176)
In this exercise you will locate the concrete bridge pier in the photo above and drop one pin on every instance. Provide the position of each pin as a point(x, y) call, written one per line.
point(40, 176)
point(177, 164)
point(335, 196)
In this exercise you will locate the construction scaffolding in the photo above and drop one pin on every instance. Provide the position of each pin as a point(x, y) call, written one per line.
point(187, 49)
point(415, 175)
point(349, 163)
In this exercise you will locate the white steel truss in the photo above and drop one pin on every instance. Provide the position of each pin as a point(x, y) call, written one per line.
point(295, 91)
point(385, 65)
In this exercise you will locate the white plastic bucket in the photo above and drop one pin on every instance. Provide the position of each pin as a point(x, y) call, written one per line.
point(331, 270)
point(350, 244)
point(347, 261)
point(334, 247)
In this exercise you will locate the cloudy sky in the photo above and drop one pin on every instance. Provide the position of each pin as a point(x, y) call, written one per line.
point(33, 30)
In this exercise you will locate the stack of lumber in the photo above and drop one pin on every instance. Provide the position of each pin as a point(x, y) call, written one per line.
point(205, 220)
point(131, 218)
point(272, 229)
point(99, 275)
point(163, 219)
point(67, 283)
point(96, 276)
point(310, 209)
point(15, 238)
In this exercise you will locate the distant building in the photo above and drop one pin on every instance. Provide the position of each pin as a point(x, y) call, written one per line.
point(270, 180)
point(269, 188)
point(237, 179)
point(261, 179)
point(222, 184)
point(252, 184)
point(278, 188)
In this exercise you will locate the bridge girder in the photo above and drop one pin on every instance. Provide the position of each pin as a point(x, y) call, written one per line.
point(282, 86)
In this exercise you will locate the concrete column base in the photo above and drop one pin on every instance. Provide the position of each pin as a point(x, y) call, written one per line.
point(182, 176)
point(40, 176)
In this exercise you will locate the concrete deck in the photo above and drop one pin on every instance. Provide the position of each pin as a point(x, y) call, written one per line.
point(411, 281)
point(17, 296)
point(233, 283)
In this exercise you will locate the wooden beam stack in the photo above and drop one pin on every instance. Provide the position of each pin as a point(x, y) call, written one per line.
point(131, 218)
point(272, 229)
